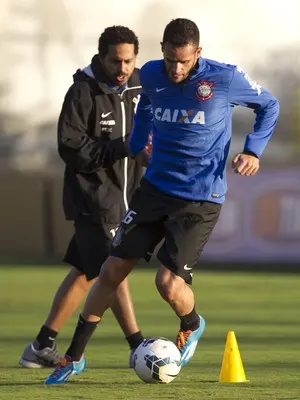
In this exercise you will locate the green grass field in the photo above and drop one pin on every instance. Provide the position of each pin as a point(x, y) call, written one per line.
point(262, 310)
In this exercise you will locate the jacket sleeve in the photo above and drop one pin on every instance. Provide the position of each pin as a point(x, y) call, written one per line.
point(75, 146)
point(142, 126)
point(247, 93)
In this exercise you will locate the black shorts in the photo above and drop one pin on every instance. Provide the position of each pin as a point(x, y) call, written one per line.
point(89, 246)
point(153, 215)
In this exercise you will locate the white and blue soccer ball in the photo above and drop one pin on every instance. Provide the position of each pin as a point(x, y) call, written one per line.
point(157, 360)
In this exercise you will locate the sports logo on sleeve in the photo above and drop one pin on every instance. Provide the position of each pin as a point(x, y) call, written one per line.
point(254, 85)
point(204, 90)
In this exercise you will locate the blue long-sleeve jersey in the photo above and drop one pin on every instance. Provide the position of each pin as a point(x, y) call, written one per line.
point(191, 126)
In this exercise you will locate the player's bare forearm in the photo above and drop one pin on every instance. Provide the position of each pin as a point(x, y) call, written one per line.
point(245, 164)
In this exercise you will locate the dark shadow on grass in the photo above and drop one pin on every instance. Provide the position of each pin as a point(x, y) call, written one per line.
point(95, 367)
point(256, 340)
point(135, 383)
point(104, 384)
point(71, 383)
point(271, 365)
point(10, 384)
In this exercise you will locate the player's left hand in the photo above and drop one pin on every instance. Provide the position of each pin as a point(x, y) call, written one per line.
point(245, 164)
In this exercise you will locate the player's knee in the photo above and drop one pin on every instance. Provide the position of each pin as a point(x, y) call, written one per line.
point(78, 279)
point(114, 271)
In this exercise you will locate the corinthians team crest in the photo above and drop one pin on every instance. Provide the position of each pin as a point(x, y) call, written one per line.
point(204, 91)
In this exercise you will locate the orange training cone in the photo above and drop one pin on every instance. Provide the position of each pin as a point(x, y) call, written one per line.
point(232, 369)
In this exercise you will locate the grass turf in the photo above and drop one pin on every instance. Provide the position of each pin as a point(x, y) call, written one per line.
point(262, 310)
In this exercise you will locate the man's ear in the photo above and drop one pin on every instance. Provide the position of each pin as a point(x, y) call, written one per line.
point(100, 58)
point(198, 52)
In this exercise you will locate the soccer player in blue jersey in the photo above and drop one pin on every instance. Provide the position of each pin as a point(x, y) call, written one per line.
point(187, 103)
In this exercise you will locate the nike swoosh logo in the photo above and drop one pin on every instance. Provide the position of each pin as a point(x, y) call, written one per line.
point(159, 89)
point(104, 115)
point(187, 268)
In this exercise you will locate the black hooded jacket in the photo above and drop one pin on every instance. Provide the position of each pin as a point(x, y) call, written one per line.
point(93, 130)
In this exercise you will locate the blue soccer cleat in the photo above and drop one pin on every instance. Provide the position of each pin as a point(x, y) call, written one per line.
point(187, 342)
point(64, 370)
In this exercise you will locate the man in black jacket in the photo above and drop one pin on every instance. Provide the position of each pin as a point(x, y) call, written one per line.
point(93, 129)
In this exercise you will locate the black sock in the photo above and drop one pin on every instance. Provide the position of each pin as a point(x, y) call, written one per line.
point(82, 335)
point(135, 340)
point(190, 322)
point(46, 337)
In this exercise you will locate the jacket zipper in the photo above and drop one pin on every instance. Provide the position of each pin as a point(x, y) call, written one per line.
point(123, 111)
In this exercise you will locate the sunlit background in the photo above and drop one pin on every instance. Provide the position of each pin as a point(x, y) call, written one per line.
point(42, 44)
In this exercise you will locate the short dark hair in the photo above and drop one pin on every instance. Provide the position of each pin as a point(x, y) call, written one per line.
point(180, 32)
point(117, 34)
